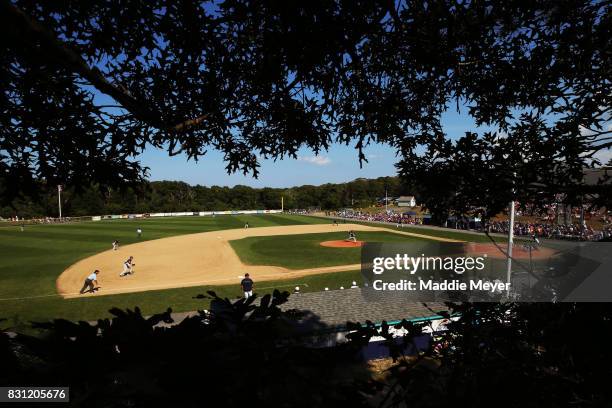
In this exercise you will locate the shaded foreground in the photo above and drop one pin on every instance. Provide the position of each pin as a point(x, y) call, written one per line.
point(528, 355)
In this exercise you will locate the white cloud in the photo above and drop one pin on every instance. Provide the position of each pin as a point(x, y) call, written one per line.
point(316, 160)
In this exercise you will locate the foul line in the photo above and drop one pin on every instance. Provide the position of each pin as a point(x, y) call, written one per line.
point(136, 289)
point(129, 293)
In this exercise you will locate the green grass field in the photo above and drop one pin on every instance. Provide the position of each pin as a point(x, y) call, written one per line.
point(303, 251)
point(30, 262)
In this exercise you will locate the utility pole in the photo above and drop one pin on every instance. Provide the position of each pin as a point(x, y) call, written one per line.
point(59, 199)
point(510, 243)
point(386, 201)
point(510, 236)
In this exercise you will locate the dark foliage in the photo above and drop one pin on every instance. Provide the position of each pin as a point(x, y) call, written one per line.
point(87, 85)
point(504, 355)
point(238, 354)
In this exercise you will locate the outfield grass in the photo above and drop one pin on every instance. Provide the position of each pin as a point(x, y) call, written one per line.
point(31, 261)
point(19, 313)
point(302, 251)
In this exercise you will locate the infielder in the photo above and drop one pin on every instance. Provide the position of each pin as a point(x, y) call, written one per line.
point(90, 282)
point(115, 245)
point(139, 232)
point(127, 267)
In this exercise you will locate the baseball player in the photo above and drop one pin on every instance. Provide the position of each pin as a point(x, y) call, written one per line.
point(139, 232)
point(247, 286)
point(127, 267)
point(90, 282)
point(246, 225)
point(115, 245)
point(352, 237)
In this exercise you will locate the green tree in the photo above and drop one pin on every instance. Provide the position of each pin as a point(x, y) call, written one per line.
point(254, 79)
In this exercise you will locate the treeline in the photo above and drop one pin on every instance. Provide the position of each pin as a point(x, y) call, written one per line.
point(171, 196)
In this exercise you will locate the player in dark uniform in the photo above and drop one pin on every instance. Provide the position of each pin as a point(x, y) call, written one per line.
point(247, 286)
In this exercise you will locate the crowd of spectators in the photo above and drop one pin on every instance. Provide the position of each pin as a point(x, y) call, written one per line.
point(43, 220)
point(550, 230)
point(553, 213)
point(301, 211)
point(399, 219)
point(546, 228)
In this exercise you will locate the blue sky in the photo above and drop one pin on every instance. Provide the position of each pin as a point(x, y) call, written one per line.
point(339, 164)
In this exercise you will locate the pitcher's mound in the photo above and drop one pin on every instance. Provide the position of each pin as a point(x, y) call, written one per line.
point(341, 244)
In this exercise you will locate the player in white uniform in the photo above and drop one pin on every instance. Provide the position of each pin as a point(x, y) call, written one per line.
point(115, 245)
point(90, 282)
point(128, 267)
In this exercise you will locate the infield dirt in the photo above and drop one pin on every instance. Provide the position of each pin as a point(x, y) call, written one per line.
point(193, 260)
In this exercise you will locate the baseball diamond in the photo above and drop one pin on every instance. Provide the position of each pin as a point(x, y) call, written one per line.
point(200, 259)
point(44, 267)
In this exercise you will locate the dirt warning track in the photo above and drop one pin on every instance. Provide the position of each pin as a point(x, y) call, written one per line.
point(192, 260)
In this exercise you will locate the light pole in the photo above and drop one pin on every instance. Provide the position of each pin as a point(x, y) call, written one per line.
point(510, 237)
point(59, 199)
point(510, 244)
point(386, 201)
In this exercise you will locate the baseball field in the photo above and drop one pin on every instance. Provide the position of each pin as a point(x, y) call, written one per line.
point(43, 267)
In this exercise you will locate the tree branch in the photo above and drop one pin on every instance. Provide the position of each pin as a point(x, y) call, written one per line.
point(188, 123)
point(64, 55)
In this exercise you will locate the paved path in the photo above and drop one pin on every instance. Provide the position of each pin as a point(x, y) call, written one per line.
point(332, 309)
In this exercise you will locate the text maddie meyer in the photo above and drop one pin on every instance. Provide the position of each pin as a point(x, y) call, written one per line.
point(445, 285)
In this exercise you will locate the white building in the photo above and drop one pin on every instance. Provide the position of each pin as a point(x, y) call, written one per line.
point(406, 201)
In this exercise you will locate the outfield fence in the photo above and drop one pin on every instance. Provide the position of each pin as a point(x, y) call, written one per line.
point(185, 214)
point(65, 220)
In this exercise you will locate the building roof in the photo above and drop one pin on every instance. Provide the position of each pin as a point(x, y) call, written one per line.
point(335, 307)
